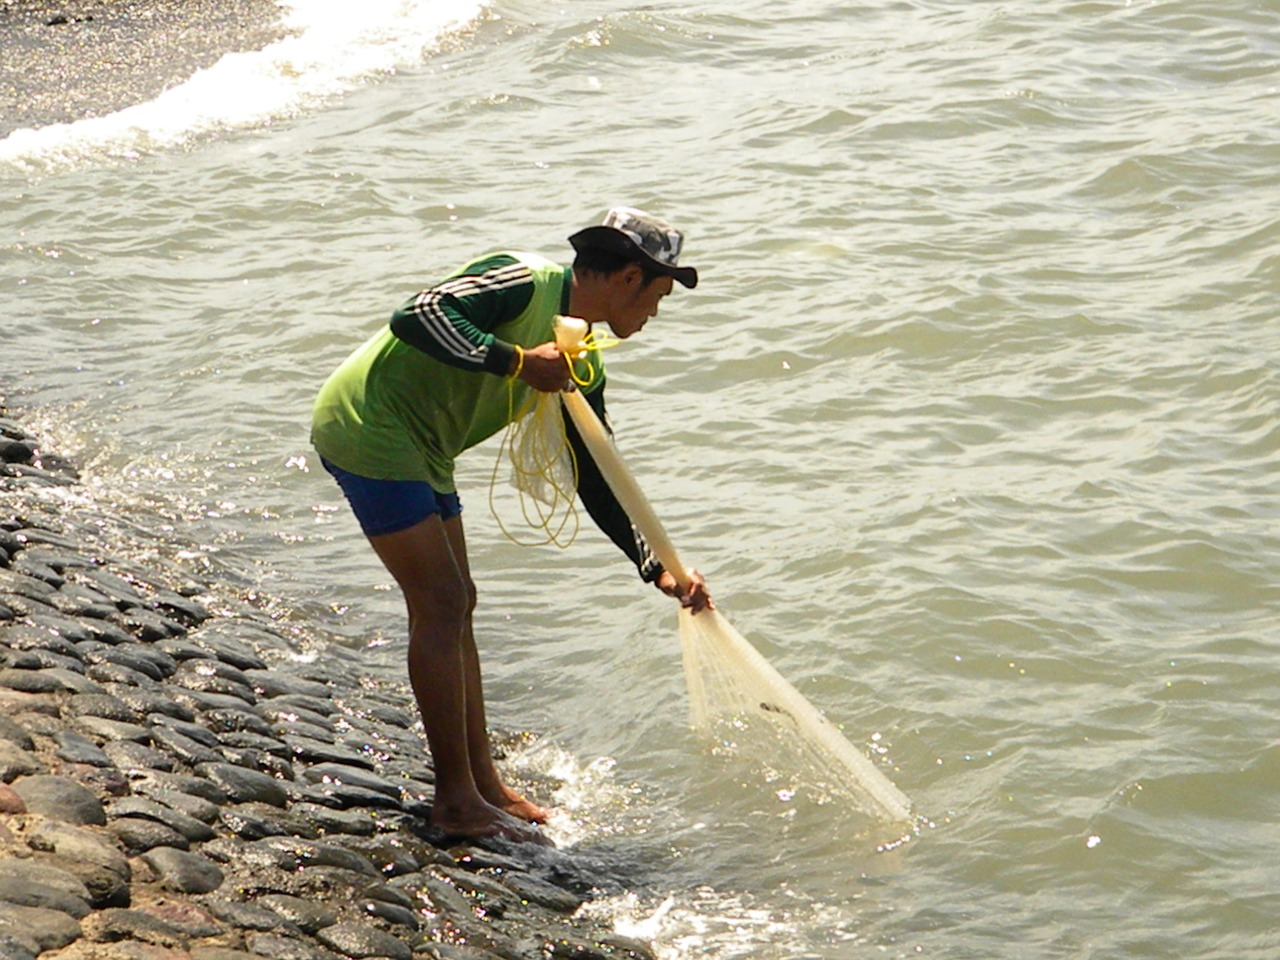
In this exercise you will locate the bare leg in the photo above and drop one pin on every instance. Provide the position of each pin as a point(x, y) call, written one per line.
point(439, 597)
point(487, 779)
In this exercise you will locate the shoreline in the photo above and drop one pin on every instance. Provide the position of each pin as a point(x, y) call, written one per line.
point(69, 60)
point(177, 784)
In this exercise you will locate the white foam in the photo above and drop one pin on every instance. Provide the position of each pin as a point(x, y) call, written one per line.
point(333, 45)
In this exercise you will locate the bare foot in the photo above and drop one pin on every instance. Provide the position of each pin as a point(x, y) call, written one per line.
point(485, 821)
point(524, 809)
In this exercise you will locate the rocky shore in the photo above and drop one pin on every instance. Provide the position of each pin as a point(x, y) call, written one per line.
point(177, 784)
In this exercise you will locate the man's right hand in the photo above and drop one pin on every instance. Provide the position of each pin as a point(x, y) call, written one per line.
point(545, 368)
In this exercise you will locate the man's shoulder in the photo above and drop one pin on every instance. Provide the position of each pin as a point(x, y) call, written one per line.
point(509, 261)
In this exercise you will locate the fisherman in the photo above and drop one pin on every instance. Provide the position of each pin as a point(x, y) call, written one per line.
point(442, 376)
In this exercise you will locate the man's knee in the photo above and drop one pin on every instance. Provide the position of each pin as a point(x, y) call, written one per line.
point(450, 602)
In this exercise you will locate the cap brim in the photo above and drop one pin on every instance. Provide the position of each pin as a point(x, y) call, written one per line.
point(615, 241)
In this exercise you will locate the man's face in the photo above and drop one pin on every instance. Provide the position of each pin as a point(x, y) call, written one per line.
point(635, 301)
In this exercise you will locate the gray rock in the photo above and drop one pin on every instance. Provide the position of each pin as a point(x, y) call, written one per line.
point(184, 872)
point(391, 912)
point(354, 822)
point(237, 721)
point(66, 627)
point(38, 871)
point(60, 798)
point(220, 953)
point(338, 773)
point(271, 684)
point(183, 748)
point(542, 893)
point(186, 727)
point(132, 757)
point(114, 729)
point(37, 928)
point(244, 786)
point(286, 948)
point(292, 853)
point(78, 843)
point(247, 916)
point(32, 681)
point(204, 683)
point(15, 733)
point(28, 891)
point(117, 923)
point(360, 940)
point(42, 660)
point(304, 914)
point(195, 807)
point(16, 762)
point(77, 748)
point(137, 835)
point(317, 751)
point(181, 784)
point(100, 705)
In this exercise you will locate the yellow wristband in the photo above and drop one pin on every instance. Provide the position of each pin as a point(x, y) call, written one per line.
point(515, 374)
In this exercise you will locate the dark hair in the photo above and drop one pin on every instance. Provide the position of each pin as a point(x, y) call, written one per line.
point(606, 263)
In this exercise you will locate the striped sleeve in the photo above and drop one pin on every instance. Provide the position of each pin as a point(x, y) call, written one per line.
point(453, 321)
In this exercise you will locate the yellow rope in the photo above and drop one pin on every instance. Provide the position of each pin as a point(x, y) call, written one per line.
point(535, 454)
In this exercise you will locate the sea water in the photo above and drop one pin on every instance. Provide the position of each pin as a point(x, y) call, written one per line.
point(971, 424)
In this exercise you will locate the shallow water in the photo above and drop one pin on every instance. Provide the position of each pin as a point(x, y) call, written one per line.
point(971, 424)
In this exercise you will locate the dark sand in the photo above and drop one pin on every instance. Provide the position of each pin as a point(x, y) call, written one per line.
point(68, 60)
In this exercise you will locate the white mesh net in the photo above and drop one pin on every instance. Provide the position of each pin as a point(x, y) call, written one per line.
point(740, 701)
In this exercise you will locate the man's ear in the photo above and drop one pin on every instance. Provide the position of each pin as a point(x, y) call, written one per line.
point(632, 274)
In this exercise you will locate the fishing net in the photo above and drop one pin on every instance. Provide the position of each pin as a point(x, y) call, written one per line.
point(733, 689)
point(740, 702)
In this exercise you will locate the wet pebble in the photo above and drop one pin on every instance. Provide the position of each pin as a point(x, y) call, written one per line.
point(359, 941)
point(244, 786)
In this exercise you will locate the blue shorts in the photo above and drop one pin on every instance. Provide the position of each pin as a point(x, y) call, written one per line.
point(389, 506)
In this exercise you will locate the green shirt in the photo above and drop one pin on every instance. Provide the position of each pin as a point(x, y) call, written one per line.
point(432, 382)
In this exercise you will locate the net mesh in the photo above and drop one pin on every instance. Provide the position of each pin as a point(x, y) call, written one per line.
point(738, 699)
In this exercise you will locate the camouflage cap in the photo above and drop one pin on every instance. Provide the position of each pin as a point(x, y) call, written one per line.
point(642, 237)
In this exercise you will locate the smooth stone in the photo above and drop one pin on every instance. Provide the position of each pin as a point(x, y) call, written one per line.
point(202, 701)
point(354, 822)
point(106, 632)
point(16, 762)
point(42, 660)
point(147, 625)
point(192, 920)
point(297, 728)
point(186, 727)
point(39, 872)
point(15, 733)
point(60, 798)
point(76, 748)
point(130, 757)
point(277, 767)
point(272, 684)
point(220, 953)
point(25, 637)
point(33, 681)
point(542, 893)
point(37, 571)
point(184, 872)
point(293, 853)
point(391, 912)
point(150, 703)
point(119, 681)
point(246, 916)
point(237, 721)
point(337, 773)
point(38, 928)
point(195, 830)
point(151, 663)
point(277, 947)
point(212, 667)
point(222, 686)
point(10, 803)
point(232, 652)
point(344, 796)
point(181, 608)
point(64, 627)
point(114, 729)
point(138, 835)
point(284, 713)
point(28, 892)
point(317, 706)
point(116, 589)
point(100, 705)
point(183, 748)
point(195, 807)
point(317, 751)
point(304, 914)
point(116, 924)
point(180, 783)
point(360, 941)
point(243, 786)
